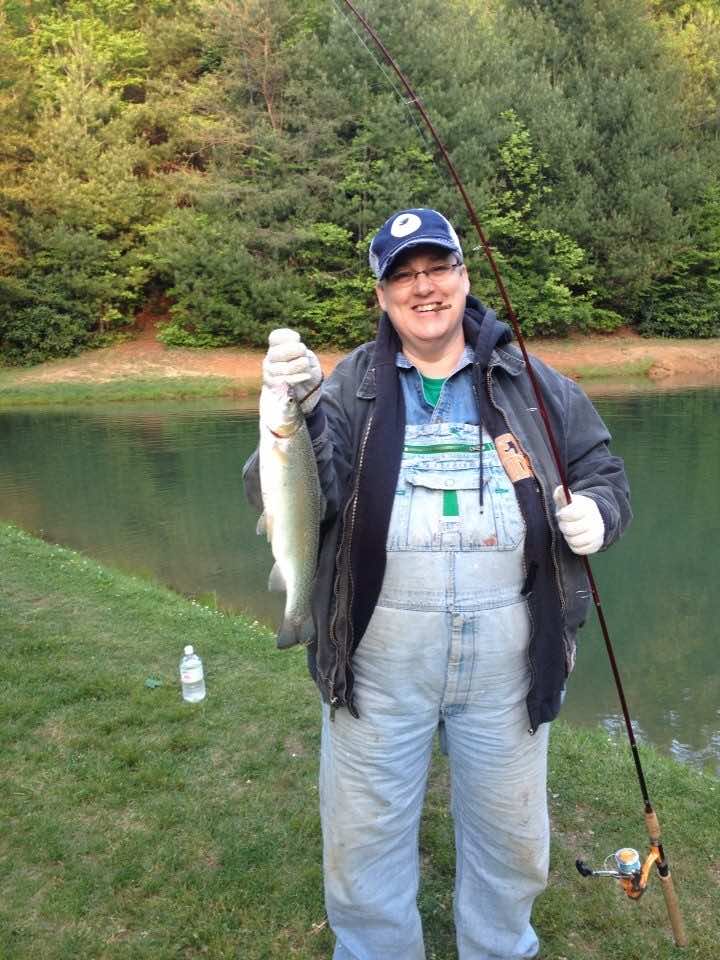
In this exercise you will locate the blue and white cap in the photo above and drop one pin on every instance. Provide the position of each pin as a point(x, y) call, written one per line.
point(410, 228)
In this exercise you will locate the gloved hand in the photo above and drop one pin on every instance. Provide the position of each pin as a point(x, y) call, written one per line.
point(288, 361)
point(580, 522)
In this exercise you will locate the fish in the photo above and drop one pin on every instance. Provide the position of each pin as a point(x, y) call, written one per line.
point(293, 505)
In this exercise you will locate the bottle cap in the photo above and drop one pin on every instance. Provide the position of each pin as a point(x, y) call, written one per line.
point(189, 650)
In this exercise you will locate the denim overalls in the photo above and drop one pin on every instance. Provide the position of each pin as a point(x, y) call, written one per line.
point(446, 647)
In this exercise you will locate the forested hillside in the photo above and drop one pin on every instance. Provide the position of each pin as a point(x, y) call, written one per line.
point(235, 156)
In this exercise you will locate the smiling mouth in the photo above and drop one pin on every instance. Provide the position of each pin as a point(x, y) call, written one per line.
point(432, 308)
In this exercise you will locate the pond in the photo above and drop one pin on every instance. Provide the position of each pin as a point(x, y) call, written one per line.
point(157, 491)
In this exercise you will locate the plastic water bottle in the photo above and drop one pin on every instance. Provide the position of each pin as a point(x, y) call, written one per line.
point(192, 676)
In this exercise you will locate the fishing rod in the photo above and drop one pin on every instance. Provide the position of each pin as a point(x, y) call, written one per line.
point(630, 873)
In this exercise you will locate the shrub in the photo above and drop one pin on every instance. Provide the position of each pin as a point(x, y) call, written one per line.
point(224, 294)
point(71, 284)
point(548, 276)
point(685, 300)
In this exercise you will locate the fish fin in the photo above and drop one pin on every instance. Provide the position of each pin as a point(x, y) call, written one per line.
point(264, 526)
point(276, 581)
point(294, 632)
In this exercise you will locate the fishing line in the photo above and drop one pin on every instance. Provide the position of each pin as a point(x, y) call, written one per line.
point(635, 881)
point(397, 90)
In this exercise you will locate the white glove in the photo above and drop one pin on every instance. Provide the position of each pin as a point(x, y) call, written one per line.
point(288, 361)
point(580, 522)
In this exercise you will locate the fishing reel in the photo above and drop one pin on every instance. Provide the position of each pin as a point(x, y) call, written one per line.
point(631, 874)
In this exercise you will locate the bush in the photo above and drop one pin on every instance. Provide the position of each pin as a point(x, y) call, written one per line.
point(225, 294)
point(71, 284)
point(204, 264)
point(338, 307)
point(685, 301)
point(548, 276)
point(39, 331)
point(684, 316)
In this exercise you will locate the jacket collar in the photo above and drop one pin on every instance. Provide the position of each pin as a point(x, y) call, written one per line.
point(509, 360)
point(368, 386)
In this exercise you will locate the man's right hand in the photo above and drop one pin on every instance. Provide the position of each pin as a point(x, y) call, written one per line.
point(288, 361)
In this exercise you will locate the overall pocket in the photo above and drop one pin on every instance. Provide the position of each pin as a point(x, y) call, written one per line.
point(433, 500)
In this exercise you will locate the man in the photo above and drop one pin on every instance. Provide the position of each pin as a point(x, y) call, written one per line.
point(447, 596)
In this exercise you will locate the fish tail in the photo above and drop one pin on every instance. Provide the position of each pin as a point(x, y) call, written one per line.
point(296, 631)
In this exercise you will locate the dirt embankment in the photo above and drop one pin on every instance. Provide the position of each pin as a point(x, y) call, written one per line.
point(619, 356)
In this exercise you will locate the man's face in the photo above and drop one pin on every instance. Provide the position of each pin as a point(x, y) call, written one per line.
point(426, 308)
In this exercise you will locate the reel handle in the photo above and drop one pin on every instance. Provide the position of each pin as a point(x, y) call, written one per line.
point(583, 869)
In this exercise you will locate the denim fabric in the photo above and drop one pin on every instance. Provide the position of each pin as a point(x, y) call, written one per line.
point(456, 403)
point(438, 457)
point(447, 643)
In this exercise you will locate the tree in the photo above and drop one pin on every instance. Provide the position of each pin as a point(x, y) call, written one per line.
point(15, 143)
point(238, 154)
point(547, 272)
point(684, 301)
point(634, 169)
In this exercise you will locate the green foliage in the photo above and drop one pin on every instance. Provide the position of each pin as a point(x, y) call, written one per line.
point(113, 48)
point(75, 283)
point(692, 31)
point(41, 327)
point(547, 272)
point(336, 309)
point(205, 265)
point(631, 166)
point(222, 294)
point(685, 302)
point(238, 155)
point(94, 175)
point(15, 141)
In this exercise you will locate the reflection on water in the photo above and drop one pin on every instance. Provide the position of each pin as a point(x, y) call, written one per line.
point(658, 583)
point(152, 490)
point(158, 491)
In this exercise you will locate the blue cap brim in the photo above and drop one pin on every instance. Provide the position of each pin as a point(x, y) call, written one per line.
point(418, 242)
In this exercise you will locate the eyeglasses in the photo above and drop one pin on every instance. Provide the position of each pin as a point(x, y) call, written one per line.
point(438, 273)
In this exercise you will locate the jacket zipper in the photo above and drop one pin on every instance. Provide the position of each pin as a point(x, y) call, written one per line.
point(553, 541)
point(345, 547)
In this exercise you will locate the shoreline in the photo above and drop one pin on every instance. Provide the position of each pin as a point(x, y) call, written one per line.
point(144, 368)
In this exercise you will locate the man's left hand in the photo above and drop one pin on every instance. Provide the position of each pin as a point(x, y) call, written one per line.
point(580, 522)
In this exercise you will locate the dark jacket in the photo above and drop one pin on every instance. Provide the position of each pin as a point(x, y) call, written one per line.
point(358, 434)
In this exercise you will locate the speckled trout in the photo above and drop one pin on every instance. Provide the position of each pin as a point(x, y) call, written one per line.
point(292, 508)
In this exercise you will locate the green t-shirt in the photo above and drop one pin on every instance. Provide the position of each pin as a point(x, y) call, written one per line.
point(431, 388)
point(431, 391)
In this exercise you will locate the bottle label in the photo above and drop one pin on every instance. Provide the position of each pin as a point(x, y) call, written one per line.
point(192, 674)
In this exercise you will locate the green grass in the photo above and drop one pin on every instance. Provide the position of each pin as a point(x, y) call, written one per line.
point(137, 826)
point(632, 370)
point(14, 394)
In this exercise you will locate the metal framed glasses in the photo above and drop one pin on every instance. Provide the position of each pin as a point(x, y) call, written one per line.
point(437, 273)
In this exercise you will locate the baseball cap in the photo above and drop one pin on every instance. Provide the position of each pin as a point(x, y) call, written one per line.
point(410, 228)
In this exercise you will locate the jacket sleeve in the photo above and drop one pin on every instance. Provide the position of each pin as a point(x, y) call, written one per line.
point(591, 468)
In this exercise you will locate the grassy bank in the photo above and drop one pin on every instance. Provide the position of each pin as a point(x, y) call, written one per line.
point(632, 370)
point(137, 826)
point(14, 394)
point(144, 370)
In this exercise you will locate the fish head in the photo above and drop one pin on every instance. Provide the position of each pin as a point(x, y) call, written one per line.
point(280, 412)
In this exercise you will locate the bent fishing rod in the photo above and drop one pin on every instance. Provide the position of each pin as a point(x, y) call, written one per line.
point(632, 875)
